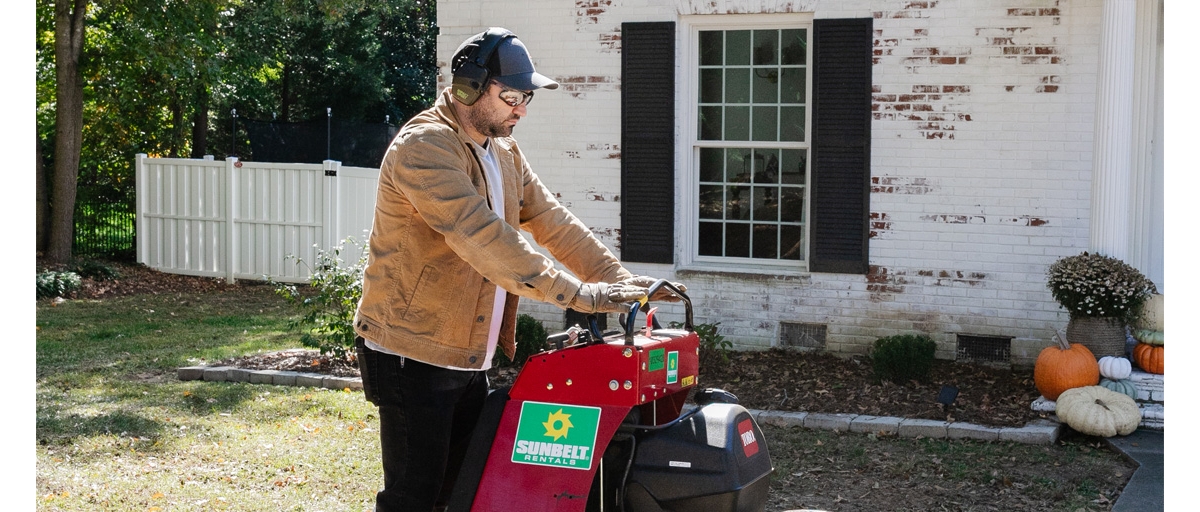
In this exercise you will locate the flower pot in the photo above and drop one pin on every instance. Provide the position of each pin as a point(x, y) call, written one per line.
point(1104, 336)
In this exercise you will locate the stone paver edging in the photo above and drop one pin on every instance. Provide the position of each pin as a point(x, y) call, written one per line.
point(1037, 432)
point(276, 377)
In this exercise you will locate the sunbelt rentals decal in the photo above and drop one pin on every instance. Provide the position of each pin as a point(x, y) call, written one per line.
point(556, 435)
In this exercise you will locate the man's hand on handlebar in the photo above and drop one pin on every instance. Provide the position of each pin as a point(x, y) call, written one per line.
point(662, 294)
point(606, 297)
point(614, 297)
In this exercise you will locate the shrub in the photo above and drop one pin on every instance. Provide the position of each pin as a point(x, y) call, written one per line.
point(93, 269)
point(714, 348)
point(336, 288)
point(53, 283)
point(531, 339)
point(902, 358)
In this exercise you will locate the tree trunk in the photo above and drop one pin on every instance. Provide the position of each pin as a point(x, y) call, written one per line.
point(177, 127)
point(285, 94)
point(200, 124)
point(43, 199)
point(68, 119)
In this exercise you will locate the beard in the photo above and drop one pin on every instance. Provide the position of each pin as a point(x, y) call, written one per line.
point(488, 124)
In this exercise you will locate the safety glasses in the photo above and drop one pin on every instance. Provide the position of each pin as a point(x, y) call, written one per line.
point(514, 97)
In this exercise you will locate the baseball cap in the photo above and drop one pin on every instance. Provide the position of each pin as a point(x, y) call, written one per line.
point(510, 64)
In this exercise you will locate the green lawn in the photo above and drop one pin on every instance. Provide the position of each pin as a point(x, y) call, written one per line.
point(117, 431)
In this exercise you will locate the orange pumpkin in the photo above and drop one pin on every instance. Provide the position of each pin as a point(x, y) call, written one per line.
point(1148, 357)
point(1064, 366)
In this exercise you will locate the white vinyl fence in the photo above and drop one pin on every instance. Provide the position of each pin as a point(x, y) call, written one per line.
point(242, 220)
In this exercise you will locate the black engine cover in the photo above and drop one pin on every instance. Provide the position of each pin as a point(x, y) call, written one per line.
point(715, 460)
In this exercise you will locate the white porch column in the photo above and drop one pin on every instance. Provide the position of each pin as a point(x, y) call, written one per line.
point(1146, 219)
point(1112, 150)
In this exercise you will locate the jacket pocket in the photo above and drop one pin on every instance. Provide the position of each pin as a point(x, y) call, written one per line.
point(425, 312)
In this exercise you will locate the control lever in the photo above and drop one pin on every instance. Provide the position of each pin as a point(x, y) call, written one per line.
point(566, 338)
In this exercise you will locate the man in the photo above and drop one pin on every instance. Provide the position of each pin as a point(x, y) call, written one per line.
point(447, 264)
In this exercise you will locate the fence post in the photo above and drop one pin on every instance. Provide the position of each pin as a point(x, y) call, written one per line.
point(331, 216)
point(231, 207)
point(140, 207)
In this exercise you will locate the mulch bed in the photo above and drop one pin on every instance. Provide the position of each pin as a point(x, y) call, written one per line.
point(797, 381)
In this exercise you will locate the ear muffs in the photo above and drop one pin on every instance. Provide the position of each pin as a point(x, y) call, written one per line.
point(470, 66)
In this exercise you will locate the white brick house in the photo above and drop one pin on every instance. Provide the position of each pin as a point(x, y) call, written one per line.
point(806, 203)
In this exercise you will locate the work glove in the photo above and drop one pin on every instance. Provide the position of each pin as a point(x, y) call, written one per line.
point(663, 294)
point(606, 297)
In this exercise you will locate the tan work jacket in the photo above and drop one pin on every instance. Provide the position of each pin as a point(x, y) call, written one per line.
point(438, 251)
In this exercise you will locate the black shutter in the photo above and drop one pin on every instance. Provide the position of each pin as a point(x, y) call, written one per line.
point(841, 159)
point(648, 142)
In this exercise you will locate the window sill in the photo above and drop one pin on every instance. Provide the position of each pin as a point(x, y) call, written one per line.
point(748, 273)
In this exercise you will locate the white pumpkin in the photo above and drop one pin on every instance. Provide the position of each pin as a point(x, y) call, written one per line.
point(1115, 368)
point(1153, 317)
point(1096, 411)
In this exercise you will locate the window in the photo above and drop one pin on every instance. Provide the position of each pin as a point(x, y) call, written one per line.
point(748, 141)
point(773, 120)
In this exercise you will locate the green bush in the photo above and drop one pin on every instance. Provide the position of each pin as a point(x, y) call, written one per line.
point(329, 306)
point(903, 357)
point(714, 348)
point(53, 283)
point(93, 269)
point(531, 339)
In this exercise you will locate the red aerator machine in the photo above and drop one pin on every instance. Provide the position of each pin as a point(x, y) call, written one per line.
point(599, 422)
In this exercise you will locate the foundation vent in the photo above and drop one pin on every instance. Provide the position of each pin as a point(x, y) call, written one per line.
point(994, 350)
point(802, 336)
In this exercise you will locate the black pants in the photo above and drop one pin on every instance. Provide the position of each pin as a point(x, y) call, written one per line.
point(426, 415)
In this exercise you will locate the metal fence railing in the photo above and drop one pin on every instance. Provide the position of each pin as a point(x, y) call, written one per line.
point(104, 220)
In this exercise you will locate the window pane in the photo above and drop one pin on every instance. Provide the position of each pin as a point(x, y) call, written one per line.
point(710, 123)
point(737, 123)
point(766, 204)
point(765, 44)
point(737, 240)
point(711, 164)
point(795, 44)
point(766, 241)
point(791, 242)
point(766, 123)
point(711, 201)
point(710, 48)
point(792, 170)
point(711, 241)
point(791, 204)
point(737, 48)
point(738, 165)
point(766, 166)
point(737, 85)
point(766, 85)
point(710, 85)
point(792, 127)
point(791, 84)
point(737, 203)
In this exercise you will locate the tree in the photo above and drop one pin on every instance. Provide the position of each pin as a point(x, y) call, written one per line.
point(160, 77)
point(68, 122)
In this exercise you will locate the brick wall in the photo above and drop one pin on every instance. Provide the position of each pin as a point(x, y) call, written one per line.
point(981, 157)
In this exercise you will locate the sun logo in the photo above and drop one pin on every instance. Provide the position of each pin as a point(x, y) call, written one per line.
point(562, 420)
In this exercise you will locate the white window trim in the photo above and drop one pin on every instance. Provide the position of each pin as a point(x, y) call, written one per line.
point(688, 76)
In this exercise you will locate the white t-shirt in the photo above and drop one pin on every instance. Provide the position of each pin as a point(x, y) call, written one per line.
point(491, 174)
